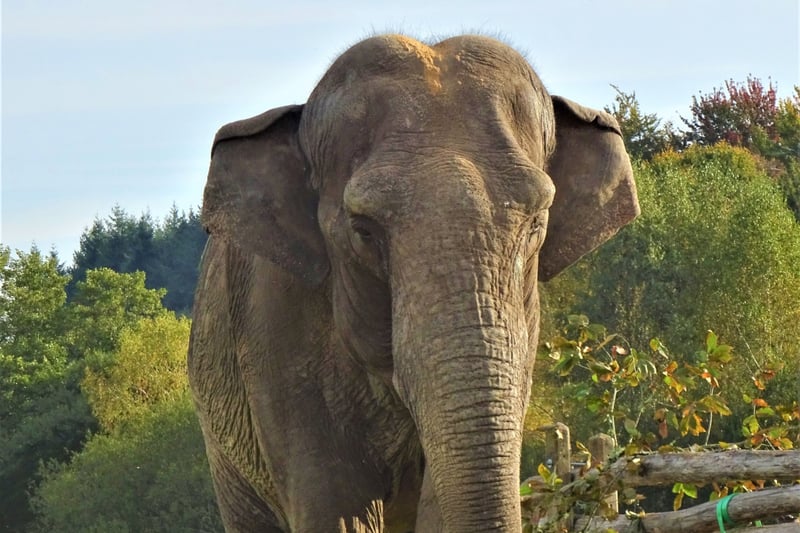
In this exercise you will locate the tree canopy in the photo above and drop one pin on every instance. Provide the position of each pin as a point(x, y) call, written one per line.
point(46, 345)
point(168, 251)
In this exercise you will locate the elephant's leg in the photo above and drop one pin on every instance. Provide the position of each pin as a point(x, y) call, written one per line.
point(429, 515)
point(242, 510)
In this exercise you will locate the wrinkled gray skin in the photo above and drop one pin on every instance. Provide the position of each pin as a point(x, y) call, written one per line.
point(367, 313)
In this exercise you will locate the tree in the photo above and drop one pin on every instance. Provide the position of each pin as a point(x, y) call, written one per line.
point(45, 345)
point(148, 368)
point(169, 252)
point(737, 114)
point(121, 242)
point(715, 248)
point(42, 413)
point(643, 133)
point(104, 304)
point(179, 243)
point(751, 115)
point(152, 476)
point(147, 469)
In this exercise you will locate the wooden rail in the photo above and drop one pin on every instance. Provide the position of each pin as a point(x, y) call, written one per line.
point(545, 506)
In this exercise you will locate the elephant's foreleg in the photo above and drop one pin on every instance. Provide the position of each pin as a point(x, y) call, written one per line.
point(242, 510)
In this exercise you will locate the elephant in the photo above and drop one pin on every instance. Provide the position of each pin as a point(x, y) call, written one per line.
point(367, 313)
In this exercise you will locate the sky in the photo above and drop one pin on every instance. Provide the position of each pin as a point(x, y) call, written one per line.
point(115, 102)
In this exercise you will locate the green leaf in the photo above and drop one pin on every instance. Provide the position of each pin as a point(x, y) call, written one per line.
point(630, 427)
point(711, 341)
point(765, 411)
point(721, 354)
point(578, 320)
point(690, 490)
point(715, 404)
point(750, 426)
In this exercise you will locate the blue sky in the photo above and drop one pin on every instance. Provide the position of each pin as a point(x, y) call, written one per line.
point(110, 102)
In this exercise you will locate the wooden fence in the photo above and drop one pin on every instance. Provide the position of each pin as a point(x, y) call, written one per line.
point(595, 486)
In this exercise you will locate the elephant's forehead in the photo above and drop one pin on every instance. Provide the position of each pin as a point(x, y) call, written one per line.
point(448, 67)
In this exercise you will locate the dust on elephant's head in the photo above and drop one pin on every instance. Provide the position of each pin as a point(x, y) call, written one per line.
point(424, 190)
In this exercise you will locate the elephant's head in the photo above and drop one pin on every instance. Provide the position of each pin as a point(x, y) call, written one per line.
point(417, 185)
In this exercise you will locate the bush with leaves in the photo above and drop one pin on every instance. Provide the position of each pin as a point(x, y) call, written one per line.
point(715, 247)
point(147, 470)
point(151, 476)
point(148, 368)
point(649, 401)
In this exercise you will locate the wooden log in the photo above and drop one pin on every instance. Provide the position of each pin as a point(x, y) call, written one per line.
point(668, 468)
point(743, 508)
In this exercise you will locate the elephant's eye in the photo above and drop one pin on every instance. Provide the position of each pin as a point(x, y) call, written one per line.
point(361, 227)
point(538, 223)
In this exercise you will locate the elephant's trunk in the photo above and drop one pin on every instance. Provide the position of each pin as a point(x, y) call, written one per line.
point(462, 366)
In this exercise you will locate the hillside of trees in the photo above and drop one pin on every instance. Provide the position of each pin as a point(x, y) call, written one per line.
point(97, 431)
point(168, 251)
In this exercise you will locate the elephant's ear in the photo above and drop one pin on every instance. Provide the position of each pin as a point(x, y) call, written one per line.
point(595, 192)
point(257, 195)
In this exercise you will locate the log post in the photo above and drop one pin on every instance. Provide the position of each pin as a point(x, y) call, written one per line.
point(558, 451)
point(601, 447)
point(558, 458)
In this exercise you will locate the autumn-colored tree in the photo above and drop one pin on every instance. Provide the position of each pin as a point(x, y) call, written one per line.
point(751, 115)
point(737, 114)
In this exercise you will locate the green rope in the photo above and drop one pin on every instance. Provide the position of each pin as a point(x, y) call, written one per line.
point(722, 513)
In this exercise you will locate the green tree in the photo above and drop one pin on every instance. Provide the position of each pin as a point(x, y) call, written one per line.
point(643, 133)
point(43, 416)
point(147, 469)
point(179, 243)
point(105, 303)
point(121, 242)
point(45, 345)
point(715, 248)
point(148, 368)
point(152, 476)
point(169, 252)
point(751, 115)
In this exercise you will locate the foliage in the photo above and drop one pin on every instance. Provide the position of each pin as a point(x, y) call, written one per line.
point(643, 133)
point(715, 246)
point(169, 252)
point(750, 115)
point(648, 400)
point(147, 470)
point(45, 345)
point(735, 114)
point(42, 414)
point(150, 476)
point(149, 368)
point(104, 304)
